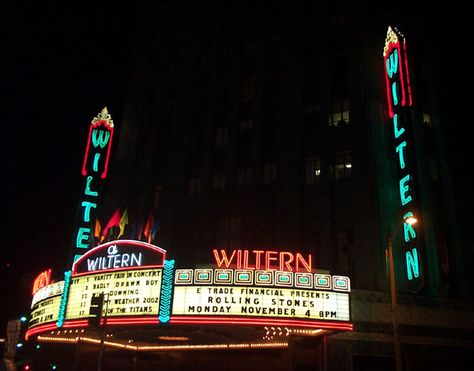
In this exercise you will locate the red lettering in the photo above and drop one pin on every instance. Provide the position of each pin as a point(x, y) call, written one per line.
point(286, 263)
point(268, 260)
point(43, 279)
point(246, 259)
point(258, 258)
point(224, 260)
point(306, 264)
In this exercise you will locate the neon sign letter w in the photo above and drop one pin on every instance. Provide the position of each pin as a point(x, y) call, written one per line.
point(103, 138)
point(392, 63)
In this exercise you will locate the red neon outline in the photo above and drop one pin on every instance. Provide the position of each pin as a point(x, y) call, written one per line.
point(93, 126)
point(41, 328)
point(257, 321)
point(410, 100)
point(133, 320)
point(154, 248)
point(402, 79)
point(153, 320)
point(75, 323)
point(402, 67)
point(387, 79)
point(36, 282)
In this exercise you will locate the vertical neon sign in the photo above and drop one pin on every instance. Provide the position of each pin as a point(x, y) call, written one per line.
point(94, 171)
point(399, 99)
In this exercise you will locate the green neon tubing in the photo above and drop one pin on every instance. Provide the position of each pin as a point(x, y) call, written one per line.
point(95, 165)
point(413, 268)
point(87, 209)
point(64, 297)
point(83, 234)
point(392, 63)
point(88, 187)
point(101, 140)
point(394, 93)
point(408, 230)
point(397, 131)
point(404, 189)
point(401, 157)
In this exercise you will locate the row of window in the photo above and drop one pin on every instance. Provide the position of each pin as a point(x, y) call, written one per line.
point(339, 115)
point(341, 169)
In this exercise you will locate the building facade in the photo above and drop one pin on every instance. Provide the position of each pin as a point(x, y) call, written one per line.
point(255, 127)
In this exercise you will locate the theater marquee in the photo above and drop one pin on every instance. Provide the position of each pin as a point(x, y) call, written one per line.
point(142, 287)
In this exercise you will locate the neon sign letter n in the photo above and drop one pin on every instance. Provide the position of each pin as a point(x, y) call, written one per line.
point(413, 268)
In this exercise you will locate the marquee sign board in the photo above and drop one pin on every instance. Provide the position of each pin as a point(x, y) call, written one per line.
point(130, 293)
point(141, 287)
point(45, 311)
point(262, 294)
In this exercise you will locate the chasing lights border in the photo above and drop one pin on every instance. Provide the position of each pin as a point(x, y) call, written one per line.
point(282, 279)
point(166, 292)
point(64, 297)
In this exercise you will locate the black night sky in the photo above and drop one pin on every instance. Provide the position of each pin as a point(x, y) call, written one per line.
point(60, 66)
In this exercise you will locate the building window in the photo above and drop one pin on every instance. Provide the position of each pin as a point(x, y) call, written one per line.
point(228, 233)
point(427, 120)
point(247, 90)
point(222, 135)
point(194, 186)
point(339, 113)
point(269, 173)
point(246, 125)
point(313, 170)
point(343, 165)
point(245, 176)
point(311, 109)
point(218, 181)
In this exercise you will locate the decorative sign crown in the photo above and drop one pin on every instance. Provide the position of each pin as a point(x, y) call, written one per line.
point(391, 38)
point(103, 116)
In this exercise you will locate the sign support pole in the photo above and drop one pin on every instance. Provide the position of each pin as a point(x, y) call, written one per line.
point(102, 332)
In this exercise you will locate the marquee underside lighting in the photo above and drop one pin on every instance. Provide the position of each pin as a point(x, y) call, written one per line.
point(200, 320)
point(142, 348)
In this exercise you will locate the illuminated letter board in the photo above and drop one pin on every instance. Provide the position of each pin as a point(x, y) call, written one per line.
point(130, 293)
point(45, 304)
point(129, 273)
point(399, 99)
point(260, 296)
